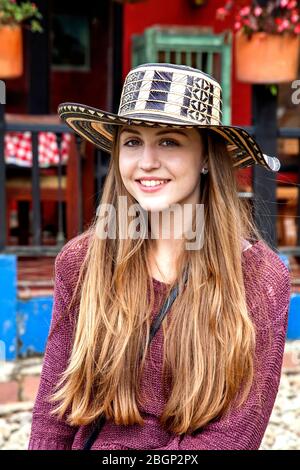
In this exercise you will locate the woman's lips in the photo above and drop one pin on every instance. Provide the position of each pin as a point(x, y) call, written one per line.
point(151, 189)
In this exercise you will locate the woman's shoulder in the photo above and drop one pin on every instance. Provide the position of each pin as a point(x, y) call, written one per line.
point(70, 258)
point(267, 280)
point(259, 255)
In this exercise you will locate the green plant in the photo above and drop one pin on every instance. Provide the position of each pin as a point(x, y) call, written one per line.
point(276, 17)
point(26, 13)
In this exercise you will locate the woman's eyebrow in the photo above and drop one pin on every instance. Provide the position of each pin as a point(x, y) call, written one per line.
point(162, 132)
point(172, 131)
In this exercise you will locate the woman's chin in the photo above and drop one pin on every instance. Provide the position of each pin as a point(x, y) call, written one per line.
point(152, 207)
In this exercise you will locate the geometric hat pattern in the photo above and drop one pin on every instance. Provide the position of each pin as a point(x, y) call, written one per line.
point(167, 95)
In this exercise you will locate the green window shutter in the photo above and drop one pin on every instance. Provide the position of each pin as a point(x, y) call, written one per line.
point(196, 47)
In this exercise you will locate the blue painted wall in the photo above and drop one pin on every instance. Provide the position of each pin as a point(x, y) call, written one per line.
point(293, 331)
point(33, 322)
point(24, 324)
point(8, 298)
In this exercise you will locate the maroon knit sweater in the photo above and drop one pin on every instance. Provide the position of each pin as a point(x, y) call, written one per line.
point(267, 284)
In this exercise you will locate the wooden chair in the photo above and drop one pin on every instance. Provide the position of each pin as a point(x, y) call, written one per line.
point(18, 188)
point(287, 200)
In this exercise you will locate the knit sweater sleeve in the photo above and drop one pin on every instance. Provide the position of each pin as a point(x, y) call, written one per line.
point(243, 427)
point(47, 431)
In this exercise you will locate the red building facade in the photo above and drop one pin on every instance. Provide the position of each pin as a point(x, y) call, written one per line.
point(139, 16)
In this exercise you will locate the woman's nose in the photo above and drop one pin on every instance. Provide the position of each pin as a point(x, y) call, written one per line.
point(149, 158)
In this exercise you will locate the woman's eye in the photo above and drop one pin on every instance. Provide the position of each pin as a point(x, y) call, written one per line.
point(131, 143)
point(163, 142)
point(169, 143)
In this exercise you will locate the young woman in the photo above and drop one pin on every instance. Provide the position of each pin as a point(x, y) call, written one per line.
point(171, 237)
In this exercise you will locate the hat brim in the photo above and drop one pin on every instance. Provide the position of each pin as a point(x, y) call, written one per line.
point(97, 127)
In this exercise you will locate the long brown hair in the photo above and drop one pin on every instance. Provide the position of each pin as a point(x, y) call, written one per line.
point(208, 345)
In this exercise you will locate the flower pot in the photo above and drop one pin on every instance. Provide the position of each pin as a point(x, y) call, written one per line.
point(266, 58)
point(11, 51)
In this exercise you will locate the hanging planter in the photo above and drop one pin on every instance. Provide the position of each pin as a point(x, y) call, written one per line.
point(11, 51)
point(267, 39)
point(266, 58)
point(13, 16)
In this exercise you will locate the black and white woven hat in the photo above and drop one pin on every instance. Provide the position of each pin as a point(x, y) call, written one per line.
point(167, 95)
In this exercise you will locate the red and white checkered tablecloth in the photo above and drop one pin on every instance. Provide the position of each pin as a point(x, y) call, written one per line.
point(17, 148)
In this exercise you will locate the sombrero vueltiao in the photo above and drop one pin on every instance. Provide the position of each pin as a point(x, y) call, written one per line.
point(167, 95)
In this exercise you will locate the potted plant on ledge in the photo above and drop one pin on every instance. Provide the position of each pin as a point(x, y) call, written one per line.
point(13, 16)
point(266, 40)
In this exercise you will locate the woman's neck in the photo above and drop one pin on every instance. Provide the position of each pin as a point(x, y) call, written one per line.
point(162, 259)
point(171, 224)
point(168, 238)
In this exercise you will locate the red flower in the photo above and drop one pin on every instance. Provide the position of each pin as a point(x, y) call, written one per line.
point(297, 29)
point(221, 13)
point(237, 25)
point(277, 16)
point(245, 11)
point(285, 24)
point(284, 3)
point(292, 4)
point(295, 17)
point(257, 11)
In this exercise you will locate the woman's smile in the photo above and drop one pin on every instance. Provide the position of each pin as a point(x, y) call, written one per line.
point(150, 186)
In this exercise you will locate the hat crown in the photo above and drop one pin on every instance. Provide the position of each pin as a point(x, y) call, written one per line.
point(171, 94)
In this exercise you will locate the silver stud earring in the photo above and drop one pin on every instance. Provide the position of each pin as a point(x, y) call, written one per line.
point(204, 171)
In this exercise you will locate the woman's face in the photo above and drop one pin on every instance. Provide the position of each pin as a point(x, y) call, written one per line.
point(174, 156)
